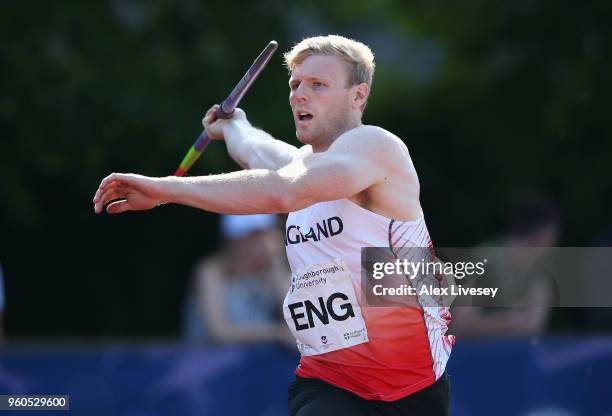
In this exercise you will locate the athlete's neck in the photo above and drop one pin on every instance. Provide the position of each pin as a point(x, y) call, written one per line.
point(323, 145)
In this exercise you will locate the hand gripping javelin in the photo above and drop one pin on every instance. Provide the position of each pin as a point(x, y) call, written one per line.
point(227, 107)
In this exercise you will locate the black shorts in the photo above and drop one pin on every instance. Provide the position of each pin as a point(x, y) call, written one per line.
point(313, 397)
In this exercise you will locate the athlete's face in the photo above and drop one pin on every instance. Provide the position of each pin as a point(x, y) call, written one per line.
point(321, 99)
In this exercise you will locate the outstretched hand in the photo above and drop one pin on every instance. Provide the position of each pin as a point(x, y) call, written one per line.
point(127, 192)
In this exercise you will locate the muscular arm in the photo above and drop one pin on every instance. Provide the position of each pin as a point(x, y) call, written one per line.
point(353, 163)
point(253, 148)
point(250, 147)
point(356, 161)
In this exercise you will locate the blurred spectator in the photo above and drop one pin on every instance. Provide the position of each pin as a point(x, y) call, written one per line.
point(239, 290)
point(534, 221)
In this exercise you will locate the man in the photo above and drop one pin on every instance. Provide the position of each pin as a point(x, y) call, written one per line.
point(349, 186)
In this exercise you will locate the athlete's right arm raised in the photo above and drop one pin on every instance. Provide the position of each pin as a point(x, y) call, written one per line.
point(250, 147)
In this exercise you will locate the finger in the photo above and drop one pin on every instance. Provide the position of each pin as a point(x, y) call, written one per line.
point(121, 177)
point(113, 193)
point(211, 115)
point(118, 207)
point(112, 180)
point(212, 112)
point(101, 189)
point(113, 190)
point(108, 195)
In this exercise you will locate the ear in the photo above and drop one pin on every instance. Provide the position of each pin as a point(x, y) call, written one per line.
point(360, 95)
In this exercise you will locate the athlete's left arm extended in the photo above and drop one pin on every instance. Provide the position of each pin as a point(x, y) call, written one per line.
point(356, 161)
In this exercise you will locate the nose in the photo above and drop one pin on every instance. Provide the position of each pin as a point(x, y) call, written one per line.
point(298, 95)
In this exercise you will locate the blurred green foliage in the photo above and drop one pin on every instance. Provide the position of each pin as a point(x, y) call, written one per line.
point(492, 98)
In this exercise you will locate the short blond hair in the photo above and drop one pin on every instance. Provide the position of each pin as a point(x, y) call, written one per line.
point(358, 55)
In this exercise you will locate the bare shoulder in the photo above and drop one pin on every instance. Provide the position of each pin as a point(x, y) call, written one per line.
point(374, 142)
point(371, 136)
point(304, 150)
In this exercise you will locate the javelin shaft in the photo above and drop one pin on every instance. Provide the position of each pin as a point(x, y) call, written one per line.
point(227, 107)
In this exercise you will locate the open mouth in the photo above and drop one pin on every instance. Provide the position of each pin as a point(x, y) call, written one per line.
point(304, 116)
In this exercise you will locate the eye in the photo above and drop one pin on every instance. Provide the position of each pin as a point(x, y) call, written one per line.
point(317, 84)
point(293, 86)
